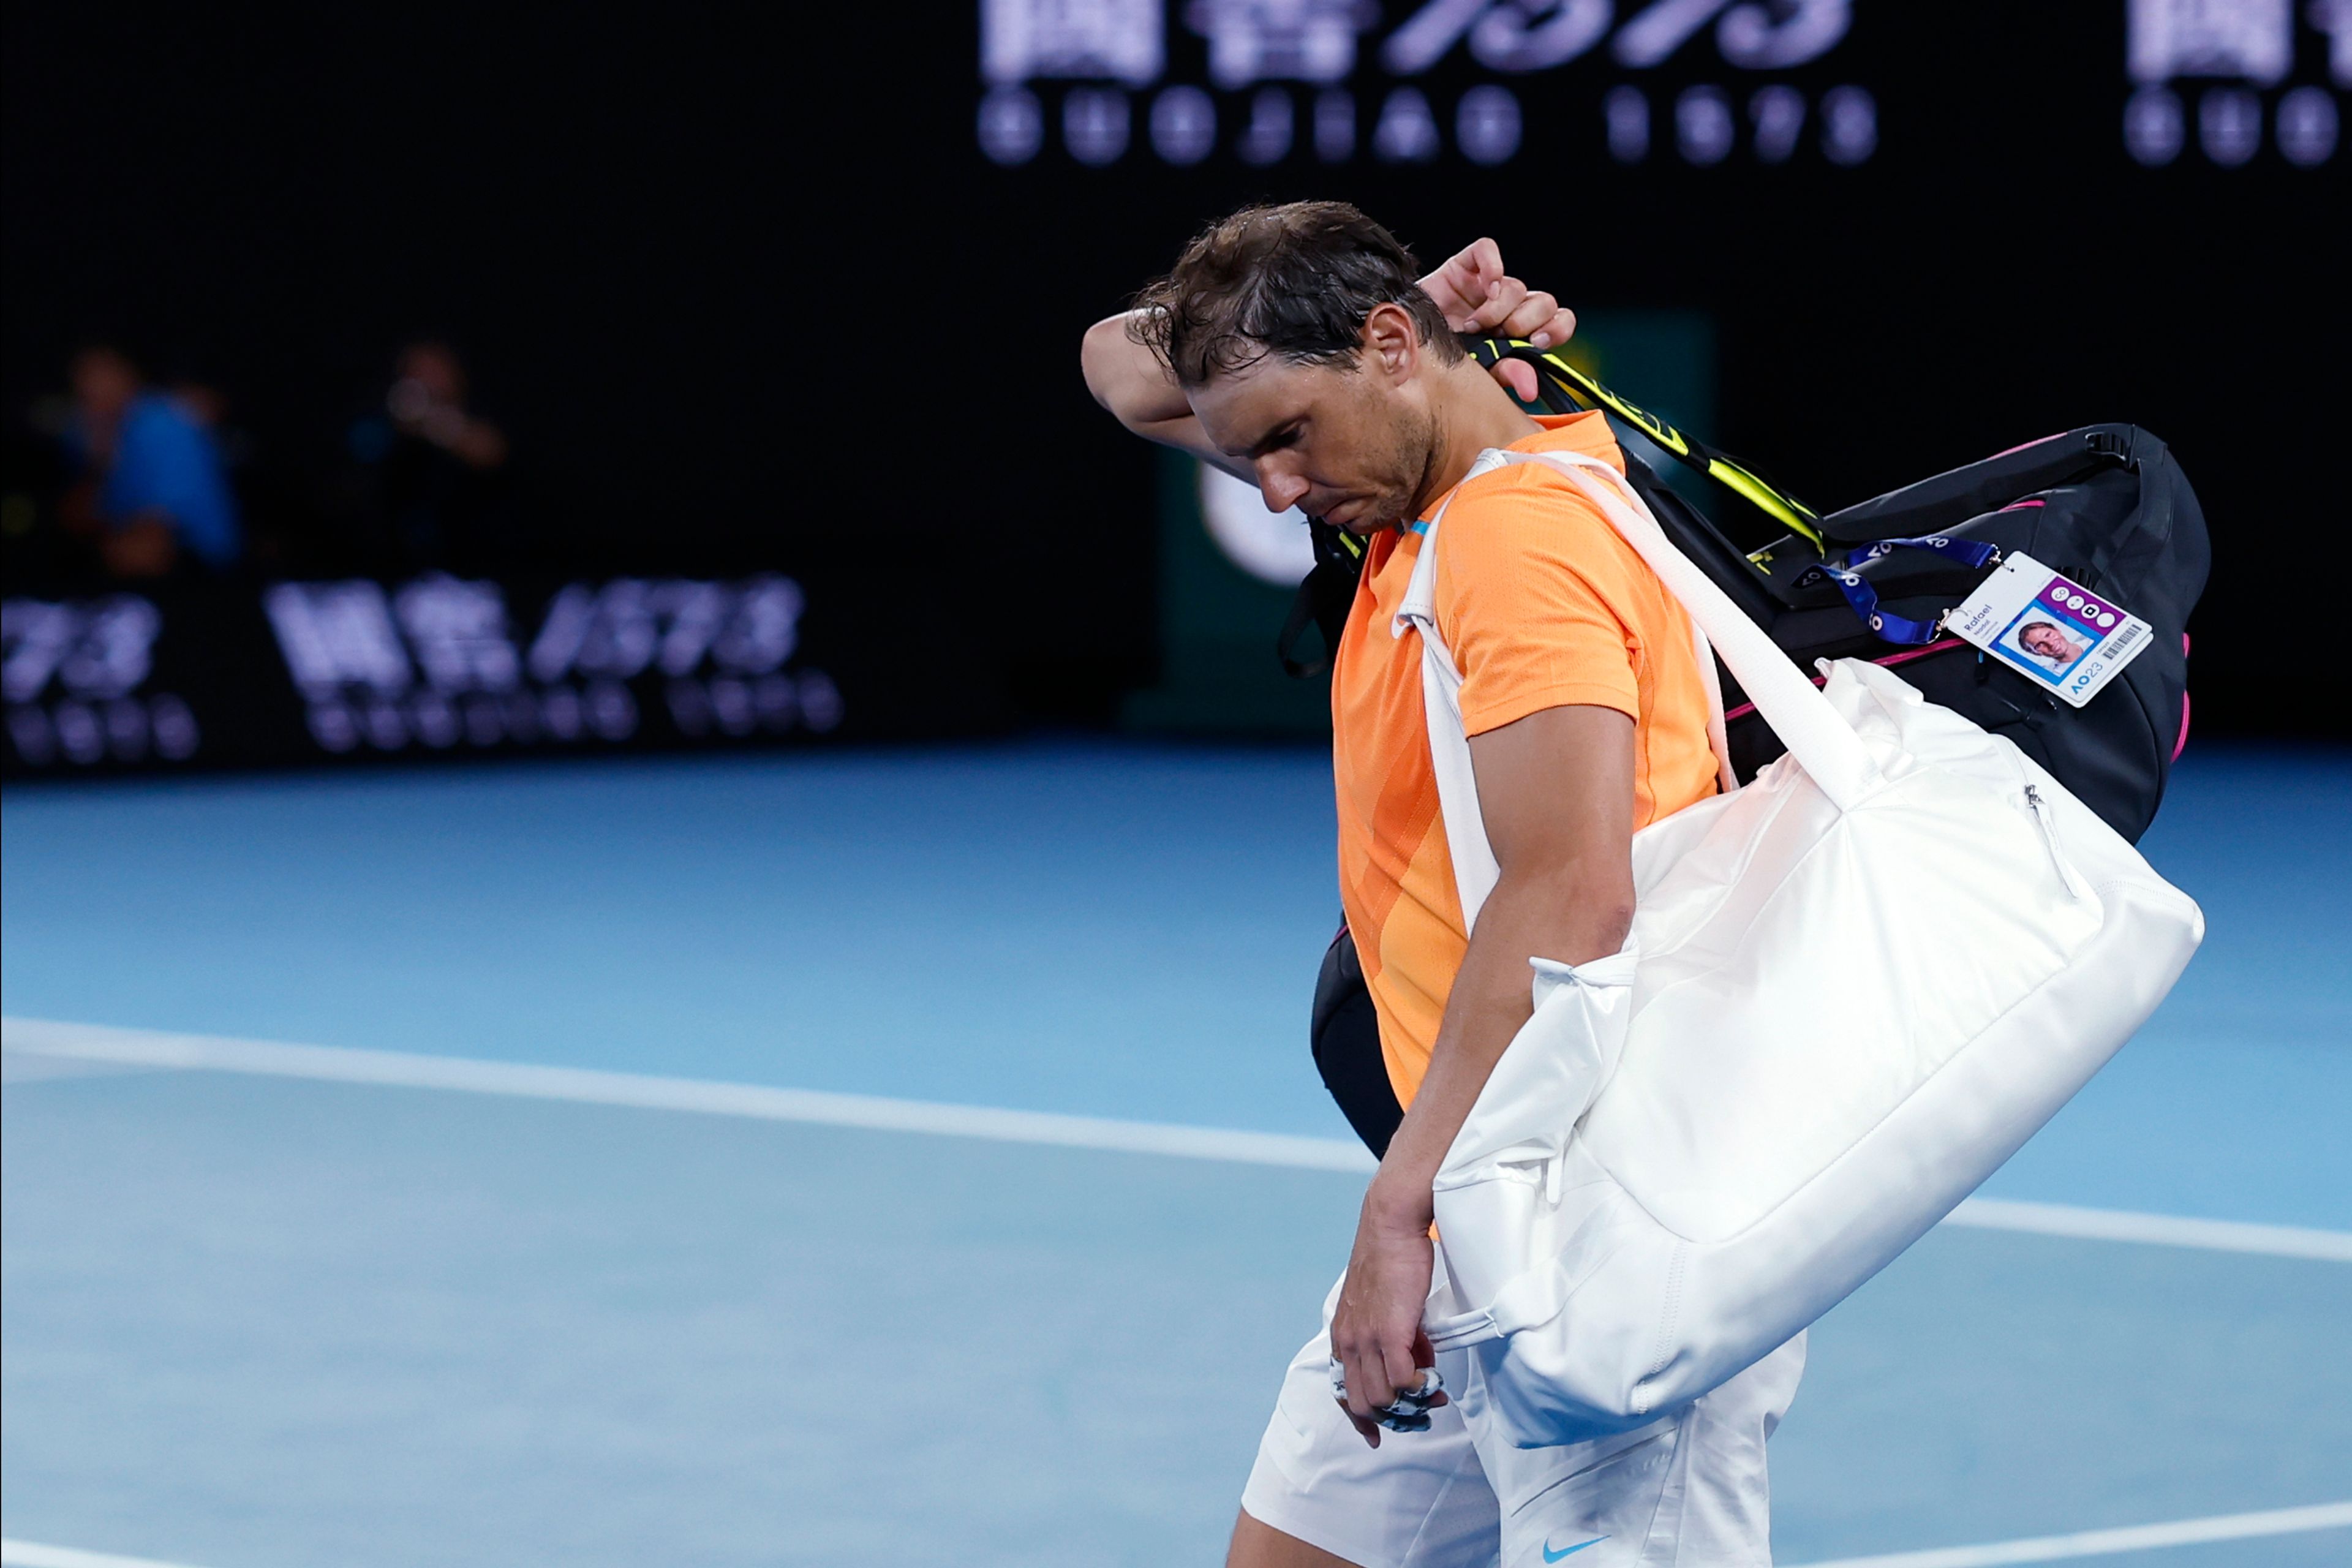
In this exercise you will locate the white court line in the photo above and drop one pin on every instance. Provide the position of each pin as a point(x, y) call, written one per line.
point(336, 1064)
point(2163, 1229)
point(2106, 1542)
point(33, 1554)
point(1994, 1555)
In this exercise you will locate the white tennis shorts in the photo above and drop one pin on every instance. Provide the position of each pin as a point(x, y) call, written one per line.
point(1688, 1489)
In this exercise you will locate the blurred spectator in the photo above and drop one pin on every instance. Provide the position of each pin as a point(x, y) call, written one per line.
point(149, 480)
point(435, 468)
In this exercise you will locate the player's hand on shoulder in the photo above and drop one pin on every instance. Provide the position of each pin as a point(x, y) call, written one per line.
point(1477, 295)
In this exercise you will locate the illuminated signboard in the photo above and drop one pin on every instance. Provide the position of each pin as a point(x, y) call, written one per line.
point(323, 669)
point(436, 661)
point(75, 679)
point(1338, 80)
point(2246, 51)
point(1262, 82)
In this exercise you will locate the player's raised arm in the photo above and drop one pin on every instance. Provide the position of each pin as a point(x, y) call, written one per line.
point(1141, 393)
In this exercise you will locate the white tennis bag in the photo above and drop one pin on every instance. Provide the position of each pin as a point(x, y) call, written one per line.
point(1853, 989)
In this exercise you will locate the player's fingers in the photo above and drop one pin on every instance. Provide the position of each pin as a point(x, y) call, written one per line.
point(1531, 315)
point(1503, 297)
point(1489, 309)
point(1426, 1362)
point(1486, 260)
point(1366, 1429)
point(1461, 286)
point(1556, 331)
point(1397, 1367)
point(1377, 1388)
point(1519, 377)
point(1355, 1379)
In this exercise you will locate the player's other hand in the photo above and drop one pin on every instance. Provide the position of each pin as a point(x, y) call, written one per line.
point(1377, 1340)
point(1478, 296)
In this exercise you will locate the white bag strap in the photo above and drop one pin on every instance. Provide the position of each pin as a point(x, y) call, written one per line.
point(1475, 870)
point(1816, 734)
point(1717, 741)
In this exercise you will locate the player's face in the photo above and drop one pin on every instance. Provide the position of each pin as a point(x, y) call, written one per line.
point(2047, 641)
point(1350, 446)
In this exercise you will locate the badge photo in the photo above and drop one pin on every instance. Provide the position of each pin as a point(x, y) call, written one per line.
point(2048, 643)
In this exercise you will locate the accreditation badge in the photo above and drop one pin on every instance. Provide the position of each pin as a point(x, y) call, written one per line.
point(2049, 629)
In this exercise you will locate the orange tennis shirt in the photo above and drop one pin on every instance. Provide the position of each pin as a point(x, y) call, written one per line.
point(1542, 606)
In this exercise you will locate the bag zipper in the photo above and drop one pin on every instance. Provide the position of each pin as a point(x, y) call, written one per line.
point(2039, 809)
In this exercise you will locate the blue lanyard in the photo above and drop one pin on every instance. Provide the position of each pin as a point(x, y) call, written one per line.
point(1890, 627)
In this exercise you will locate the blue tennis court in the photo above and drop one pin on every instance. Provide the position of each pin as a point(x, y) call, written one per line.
point(590, 1290)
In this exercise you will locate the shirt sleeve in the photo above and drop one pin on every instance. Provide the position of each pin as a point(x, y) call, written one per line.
point(1531, 590)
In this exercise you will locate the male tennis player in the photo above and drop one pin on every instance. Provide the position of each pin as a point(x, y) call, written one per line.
point(1293, 346)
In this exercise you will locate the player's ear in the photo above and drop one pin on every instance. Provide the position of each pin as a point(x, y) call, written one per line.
point(1391, 346)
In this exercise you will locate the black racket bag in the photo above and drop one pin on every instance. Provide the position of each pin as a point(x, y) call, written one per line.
point(2105, 505)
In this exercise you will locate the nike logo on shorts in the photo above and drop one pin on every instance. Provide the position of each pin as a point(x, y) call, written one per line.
point(1551, 1556)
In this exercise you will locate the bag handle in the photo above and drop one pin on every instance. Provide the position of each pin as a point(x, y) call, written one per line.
point(1540, 1294)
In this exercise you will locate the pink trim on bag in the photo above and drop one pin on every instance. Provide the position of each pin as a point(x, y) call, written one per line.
point(2022, 505)
point(1889, 662)
point(2181, 744)
point(2022, 444)
point(1907, 655)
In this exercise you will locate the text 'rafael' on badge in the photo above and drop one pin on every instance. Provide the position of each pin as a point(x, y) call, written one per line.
point(2049, 629)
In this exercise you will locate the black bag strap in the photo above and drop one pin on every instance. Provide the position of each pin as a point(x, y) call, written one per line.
point(2153, 520)
point(1942, 501)
point(1322, 600)
point(1293, 627)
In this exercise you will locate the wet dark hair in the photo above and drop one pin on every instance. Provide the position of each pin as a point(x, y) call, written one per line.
point(1296, 281)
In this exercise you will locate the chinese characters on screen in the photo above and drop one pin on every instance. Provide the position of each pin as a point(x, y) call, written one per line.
point(1332, 81)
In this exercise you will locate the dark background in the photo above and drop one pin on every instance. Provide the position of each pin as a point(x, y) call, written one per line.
point(744, 293)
